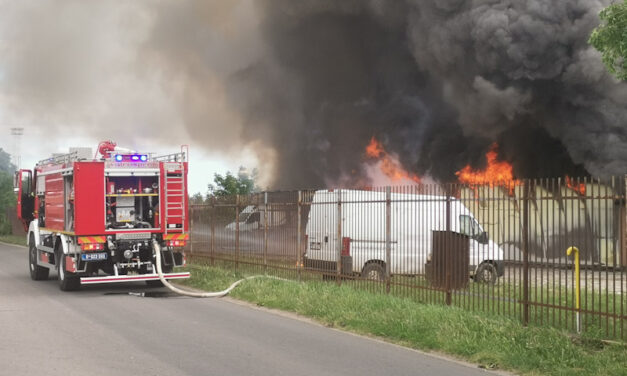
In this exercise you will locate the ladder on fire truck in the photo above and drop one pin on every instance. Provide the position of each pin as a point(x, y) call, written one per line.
point(174, 197)
point(59, 159)
point(174, 190)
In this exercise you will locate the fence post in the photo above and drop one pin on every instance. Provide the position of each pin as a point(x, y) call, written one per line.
point(623, 256)
point(525, 240)
point(623, 217)
point(299, 248)
point(338, 271)
point(236, 231)
point(265, 232)
point(191, 231)
point(388, 237)
point(213, 230)
point(448, 244)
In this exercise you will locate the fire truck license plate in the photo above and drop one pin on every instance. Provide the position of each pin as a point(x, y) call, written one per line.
point(94, 256)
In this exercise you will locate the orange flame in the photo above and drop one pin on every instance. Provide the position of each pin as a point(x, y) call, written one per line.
point(577, 187)
point(388, 165)
point(374, 148)
point(497, 172)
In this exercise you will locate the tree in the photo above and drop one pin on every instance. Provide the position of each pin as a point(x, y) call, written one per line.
point(7, 196)
point(229, 184)
point(610, 38)
point(5, 162)
point(197, 199)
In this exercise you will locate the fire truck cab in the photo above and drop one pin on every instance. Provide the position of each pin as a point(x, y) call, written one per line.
point(100, 220)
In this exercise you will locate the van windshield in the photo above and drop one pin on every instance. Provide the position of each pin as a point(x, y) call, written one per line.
point(254, 217)
point(469, 226)
point(243, 216)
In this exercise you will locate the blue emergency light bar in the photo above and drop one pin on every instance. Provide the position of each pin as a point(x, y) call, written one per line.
point(131, 157)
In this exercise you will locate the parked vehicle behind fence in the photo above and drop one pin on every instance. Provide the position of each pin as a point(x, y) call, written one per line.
point(413, 218)
point(252, 218)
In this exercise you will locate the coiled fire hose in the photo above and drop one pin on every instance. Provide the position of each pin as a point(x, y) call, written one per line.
point(157, 250)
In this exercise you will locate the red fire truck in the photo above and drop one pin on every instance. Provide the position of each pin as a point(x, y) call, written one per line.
point(101, 219)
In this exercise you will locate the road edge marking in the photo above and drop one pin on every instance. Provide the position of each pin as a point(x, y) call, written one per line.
point(14, 245)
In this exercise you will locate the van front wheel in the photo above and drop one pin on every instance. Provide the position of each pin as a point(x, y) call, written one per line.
point(486, 273)
point(373, 271)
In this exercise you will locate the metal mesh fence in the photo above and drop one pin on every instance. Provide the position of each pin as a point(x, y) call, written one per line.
point(499, 248)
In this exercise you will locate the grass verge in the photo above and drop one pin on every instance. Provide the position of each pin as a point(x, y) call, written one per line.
point(551, 301)
point(13, 239)
point(489, 341)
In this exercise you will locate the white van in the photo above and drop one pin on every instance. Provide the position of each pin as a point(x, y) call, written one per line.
point(414, 217)
point(252, 218)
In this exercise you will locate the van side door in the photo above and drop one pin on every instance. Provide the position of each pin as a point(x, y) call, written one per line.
point(321, 225)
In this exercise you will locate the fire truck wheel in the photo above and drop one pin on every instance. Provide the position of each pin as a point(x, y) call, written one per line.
point(37, 273)
point(67, 281)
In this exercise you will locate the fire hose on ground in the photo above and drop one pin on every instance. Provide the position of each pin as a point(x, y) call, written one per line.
point(217, 294)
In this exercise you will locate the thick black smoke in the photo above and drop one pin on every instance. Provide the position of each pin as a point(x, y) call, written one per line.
point(354, 78)
point(522, 73)
point(437, 81)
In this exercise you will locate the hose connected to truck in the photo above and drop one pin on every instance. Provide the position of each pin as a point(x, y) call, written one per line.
point(157, 250)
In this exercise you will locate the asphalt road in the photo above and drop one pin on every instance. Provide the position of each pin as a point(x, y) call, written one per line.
point(101, 330)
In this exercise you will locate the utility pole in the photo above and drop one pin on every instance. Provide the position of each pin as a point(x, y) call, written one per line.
point(17, 133)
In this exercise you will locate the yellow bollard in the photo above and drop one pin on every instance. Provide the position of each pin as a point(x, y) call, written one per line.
point(577, 287)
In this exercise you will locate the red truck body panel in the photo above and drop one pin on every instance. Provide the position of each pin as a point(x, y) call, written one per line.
point(55, 208)
point(89, 202)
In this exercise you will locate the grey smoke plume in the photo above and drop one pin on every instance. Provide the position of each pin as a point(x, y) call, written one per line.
point(308, 83)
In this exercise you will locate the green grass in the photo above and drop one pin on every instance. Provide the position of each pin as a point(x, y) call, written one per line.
point(488, 340)
point(13, 239)
point(504, 298)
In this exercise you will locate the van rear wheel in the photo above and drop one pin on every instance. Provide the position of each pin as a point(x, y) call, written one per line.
point(486, 273)
point(373, 271)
